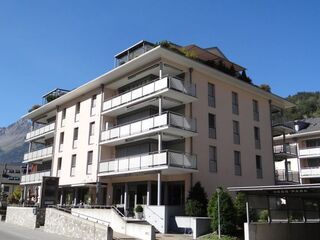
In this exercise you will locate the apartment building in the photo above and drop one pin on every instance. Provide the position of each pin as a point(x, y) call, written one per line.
point(10, 177)
point(302, 148)
point(143, 133)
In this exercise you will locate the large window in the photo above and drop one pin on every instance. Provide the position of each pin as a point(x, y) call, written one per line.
point(213, 161)
point(73, 165)
point(313, 143)
point(89, 162)
point(235, 103)
point(257, 137)
point(237, 163)
point(212, 126)
point(236, 132)
point(211, 95)
point(255, 106)
point(259, 166)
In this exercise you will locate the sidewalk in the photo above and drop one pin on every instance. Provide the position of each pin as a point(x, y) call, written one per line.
point(14, 232)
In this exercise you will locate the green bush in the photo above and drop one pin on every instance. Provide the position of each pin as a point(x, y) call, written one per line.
point(263, 216)
point(197, 201)
point(15, 196)
point(240, 206)
point(138, 209)
point(227, 212)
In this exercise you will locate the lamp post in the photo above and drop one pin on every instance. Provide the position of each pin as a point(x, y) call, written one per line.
point(218, 203)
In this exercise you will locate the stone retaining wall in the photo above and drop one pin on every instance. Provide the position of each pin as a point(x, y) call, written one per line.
point(22, 216)
point(65, 224)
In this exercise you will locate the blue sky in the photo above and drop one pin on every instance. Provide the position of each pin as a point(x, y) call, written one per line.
point(46, 44)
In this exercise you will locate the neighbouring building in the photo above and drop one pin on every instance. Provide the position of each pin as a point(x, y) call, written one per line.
point(302, 150)
point(143, 133)
point(10, 177)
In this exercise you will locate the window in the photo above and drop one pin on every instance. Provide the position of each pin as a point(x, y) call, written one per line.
point(237, 163)
point(6, 189)
point(75, 137)
point(236, 132)
point(212, 126)
point(313, 143)
point(289, 166)
point(211, 95)
point(255, 106)
point(91, 132)
point(213, 161)
point(59, 166)
point(73, 165)
point(89, 162)
point(61, 141)
point(76, 117)
point(235, 103)
point(257, 137)
point(93, 104)
point(259, 166)
point(63, 117)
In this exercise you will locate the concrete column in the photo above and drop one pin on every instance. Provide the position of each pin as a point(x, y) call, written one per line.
point(160, 70)
point(61, 196)
point(25, 189)
point(39, 195)
point(135, 199)
point(159, 190)
point(159, 142)
point(110, 194)
point(160, 105)
point(148, 193)
point(75, 199)
point(125, 198)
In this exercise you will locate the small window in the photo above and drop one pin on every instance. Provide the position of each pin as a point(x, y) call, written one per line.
point(77, 112)
point(213, 162)
point(257, 138)
point(94, 101)
point(235, 103)
point(237, 163)
point(259, 166)
point(89, 162)
point(6, 189)
point(212, 126)
point(61, 141)
point(91, 129)
point(75, 137)
point(255, 106)
point(73, 165)
point(63, 117)
point(78, 108)
point(211, 95)
point(236, 132)
point(59, 163)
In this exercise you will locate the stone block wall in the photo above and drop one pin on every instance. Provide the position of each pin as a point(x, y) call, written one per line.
point(65, 224)
point(22, 216)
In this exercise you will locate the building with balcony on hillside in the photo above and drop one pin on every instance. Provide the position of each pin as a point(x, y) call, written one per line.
point(305, 142)
point(143, 133)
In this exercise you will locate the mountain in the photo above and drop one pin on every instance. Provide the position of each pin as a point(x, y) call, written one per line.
point(307, 105)
point(12, 144)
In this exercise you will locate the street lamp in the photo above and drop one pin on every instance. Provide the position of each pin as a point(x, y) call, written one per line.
point(218, 200)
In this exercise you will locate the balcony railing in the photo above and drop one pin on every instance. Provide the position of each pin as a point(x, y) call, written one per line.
point(149, 161)
point(281, 176)
point(283, 123)
point(34, 177)
point(310, 152)
point(310, 172)
point(286, 149)
point(148, 124)
point(39, 154)
point(41, 131)
point(150, 88)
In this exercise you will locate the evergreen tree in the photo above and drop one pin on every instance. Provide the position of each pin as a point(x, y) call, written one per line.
point(197, 201)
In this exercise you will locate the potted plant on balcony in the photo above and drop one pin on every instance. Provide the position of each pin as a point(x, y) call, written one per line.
point(138, 212)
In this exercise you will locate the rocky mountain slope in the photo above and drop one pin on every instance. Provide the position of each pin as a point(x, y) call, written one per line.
point(12, 145)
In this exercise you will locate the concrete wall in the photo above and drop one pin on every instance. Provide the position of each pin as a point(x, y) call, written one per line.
point(74, 227)
point(137, 230)
point(282, 231)
point(22, 216)
point(198, 225)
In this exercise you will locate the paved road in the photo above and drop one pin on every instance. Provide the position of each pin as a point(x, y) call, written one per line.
point(13, 232)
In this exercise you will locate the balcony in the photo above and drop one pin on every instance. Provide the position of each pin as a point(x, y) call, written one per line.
point(47, 131)
point(310, 172)
point(43, 154)
point(309, 152)
point(281, 178)
point(173, 125)
point(168, 162)
point(34, 178)
point(282, 126)
point(174, 91)
point(284, 151)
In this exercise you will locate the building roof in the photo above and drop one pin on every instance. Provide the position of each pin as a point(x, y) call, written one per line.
point(312, 125)
point(142, 60)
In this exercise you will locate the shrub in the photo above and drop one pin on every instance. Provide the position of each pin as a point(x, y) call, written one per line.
point(15, 196)
point(240, 206)
point(197, 199)
point(227, 213)
point(265, 87)
point(34, 107)
point(138, 209)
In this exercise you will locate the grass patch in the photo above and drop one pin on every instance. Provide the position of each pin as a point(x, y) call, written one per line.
point(213, 236)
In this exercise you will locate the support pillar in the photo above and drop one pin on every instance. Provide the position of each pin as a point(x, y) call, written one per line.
point(75, 199)
point(110, 195)
point(148, 193)
point(160, 70)
point(39, 195)
point(98, 194)
point(125, 199)
point(61, 196)
point(159, 190)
